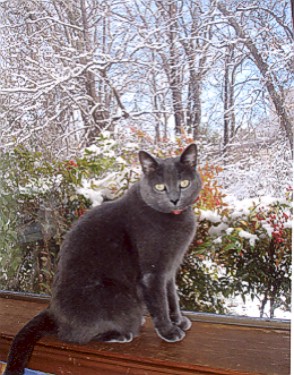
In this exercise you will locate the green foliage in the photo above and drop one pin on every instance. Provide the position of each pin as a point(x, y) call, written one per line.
point(39, 202)
point(260, 266)
point(254, 250)
point(200, 288)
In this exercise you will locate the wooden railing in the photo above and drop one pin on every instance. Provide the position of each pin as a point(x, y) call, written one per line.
point(214, 345)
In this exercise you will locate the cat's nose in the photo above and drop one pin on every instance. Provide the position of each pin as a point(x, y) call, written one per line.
point(174, 201)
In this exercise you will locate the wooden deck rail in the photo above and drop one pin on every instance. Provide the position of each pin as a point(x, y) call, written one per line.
point(214, 345)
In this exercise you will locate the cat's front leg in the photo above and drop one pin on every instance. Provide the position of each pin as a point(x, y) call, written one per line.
point(156, 299)
point(174, 307)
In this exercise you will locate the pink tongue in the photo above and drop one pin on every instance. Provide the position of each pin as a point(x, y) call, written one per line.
point(177, 212)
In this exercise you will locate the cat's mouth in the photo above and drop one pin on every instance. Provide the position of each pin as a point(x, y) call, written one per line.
point(179, 211)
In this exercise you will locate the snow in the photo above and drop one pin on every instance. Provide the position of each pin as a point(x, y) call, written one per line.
point(93, 149)
point(96, 197)
point(98, 189)
point(269, 229)
point(217, 230)
point(251, 237)
point(209, 215)
point(236, 306)
point(218, 240)
point(288, 225)
point(40, 186)
point(241, 206)
point(105, 151)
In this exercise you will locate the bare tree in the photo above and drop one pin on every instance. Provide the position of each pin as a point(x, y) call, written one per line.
point(271, 80)
point(71, 69)
point(196, 43)
point(61, 70)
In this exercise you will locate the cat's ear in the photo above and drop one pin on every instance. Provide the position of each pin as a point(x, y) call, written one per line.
point(189, 156)
point(148, 163)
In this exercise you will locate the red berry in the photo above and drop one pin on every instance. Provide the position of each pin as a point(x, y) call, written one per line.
point(285, 216)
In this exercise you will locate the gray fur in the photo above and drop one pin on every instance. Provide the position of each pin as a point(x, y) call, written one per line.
point(125, 254)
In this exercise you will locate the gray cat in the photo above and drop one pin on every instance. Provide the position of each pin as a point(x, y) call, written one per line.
point(117, 259)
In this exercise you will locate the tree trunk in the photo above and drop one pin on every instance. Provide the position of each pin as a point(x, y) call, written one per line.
point(100, 116)
point(175, 79)
point(194, 103)
point(226, 102)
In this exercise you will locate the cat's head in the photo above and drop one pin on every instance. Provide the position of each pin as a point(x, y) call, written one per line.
point(170, 185)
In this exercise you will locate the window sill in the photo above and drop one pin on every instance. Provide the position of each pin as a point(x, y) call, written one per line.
point(214, 345)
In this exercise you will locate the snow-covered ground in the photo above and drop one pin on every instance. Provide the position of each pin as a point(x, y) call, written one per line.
point(236, 306)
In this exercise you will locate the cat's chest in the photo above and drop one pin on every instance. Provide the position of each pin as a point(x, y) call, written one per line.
point(166, 236)
point(172, 228)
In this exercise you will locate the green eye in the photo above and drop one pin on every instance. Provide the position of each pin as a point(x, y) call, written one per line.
point(184, 183)
point(160, 187)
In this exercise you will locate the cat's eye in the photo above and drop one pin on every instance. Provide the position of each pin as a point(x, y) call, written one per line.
point(160, 187)
point(184, 183)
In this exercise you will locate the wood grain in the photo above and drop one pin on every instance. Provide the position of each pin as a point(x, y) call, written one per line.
point(208, 348)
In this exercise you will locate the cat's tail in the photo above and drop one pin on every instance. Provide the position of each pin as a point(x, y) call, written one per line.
point(23, 344)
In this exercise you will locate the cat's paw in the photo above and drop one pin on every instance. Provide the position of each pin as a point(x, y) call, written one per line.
point(172, 334)
point(123, 338)
point(116, 337)
point(185, 324)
